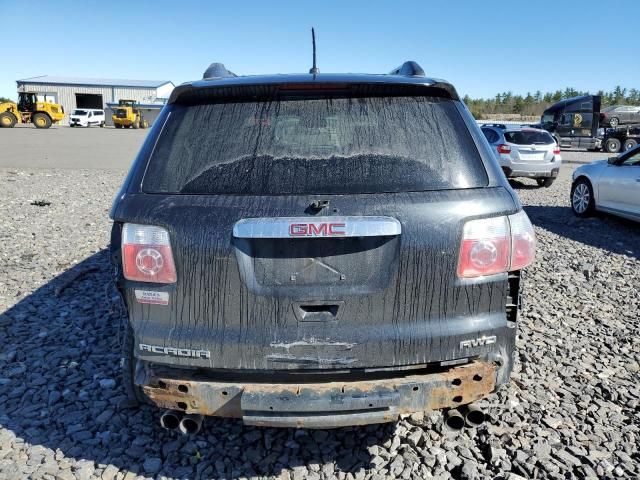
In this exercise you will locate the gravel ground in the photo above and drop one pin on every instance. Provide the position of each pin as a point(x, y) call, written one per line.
point(571, 411)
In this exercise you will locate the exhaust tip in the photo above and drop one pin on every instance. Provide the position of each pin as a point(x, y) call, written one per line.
point(170, 419)
point(454, 420)
point(474, 416)
point(190, 424)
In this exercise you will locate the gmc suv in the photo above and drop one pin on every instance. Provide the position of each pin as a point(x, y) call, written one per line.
point(317, 250)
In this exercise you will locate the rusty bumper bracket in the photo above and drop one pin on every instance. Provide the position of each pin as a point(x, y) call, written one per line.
point(324, 405)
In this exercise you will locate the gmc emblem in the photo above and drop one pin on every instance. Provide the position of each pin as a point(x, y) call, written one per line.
point(316, 229)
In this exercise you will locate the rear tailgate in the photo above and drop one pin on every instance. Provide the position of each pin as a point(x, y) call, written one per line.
point(279, 303)
point(531, 146)
point(532, 154)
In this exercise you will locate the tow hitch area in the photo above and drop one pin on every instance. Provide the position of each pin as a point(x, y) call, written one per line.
point(323, 405)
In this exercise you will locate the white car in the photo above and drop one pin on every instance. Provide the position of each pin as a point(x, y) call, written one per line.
point(85, 117)
point(525, 152)
point(611, 186)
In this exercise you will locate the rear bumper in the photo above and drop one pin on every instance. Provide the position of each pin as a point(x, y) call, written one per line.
point(533, 172)
point(321, 405)
point(512, 168)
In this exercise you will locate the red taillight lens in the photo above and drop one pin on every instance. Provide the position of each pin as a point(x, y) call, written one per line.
point(523, 241)
point(556, 151)
point(146, 254)
point(485, 247)
point(504, 148)
point(496, 245)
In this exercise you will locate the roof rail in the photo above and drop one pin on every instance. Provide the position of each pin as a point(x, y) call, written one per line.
point(217, 70)
point(408, 69)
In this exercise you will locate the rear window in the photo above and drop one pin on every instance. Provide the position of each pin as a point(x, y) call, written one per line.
point(329, 145)
point(529, 137)
point(491, 135)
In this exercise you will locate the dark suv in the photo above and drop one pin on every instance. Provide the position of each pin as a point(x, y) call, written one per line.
point(317, 251)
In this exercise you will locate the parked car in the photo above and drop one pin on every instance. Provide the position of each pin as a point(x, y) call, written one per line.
point(611, 186)
point(525, 152)
point(317, 250)
point(85, 117)
point(619, 115)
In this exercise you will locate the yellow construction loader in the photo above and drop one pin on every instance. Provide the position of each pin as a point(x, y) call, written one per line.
point(128, 114)
point(30, 110)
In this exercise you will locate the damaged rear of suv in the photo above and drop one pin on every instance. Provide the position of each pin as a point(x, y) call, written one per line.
point(317, 251)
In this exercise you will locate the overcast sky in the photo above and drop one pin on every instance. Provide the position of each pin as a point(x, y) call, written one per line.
point(482, 47)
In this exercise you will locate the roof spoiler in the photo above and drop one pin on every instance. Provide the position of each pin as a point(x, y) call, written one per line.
point(408, 69)
point(217, 70)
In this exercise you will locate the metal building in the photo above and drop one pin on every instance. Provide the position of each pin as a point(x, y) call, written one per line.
point(73, 92)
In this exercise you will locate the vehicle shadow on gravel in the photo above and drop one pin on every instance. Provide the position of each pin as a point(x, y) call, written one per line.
point(606, 232)
point(517, 185)
point(60, 389)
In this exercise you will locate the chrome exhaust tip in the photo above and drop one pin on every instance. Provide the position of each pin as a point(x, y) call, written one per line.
point(190, 424)
point(454, 420)
point(474, 416)
point(170, 419)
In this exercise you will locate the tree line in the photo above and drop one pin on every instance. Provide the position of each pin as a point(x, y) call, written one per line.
point(533, 104)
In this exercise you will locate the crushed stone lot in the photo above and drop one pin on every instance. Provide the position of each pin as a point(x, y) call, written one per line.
point(572, 409)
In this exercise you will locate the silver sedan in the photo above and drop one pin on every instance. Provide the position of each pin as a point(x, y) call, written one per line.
point(611, 186)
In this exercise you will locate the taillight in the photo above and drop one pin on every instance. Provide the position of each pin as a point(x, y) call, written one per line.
point(523, 241)
point(485, 247)
point(556, 151)
point(146, 254)
point(502, 148)
point(496, 245)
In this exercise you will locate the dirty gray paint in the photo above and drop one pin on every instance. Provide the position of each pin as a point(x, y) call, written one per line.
point(418, 315)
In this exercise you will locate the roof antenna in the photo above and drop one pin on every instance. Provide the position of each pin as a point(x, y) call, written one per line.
point(314, 70)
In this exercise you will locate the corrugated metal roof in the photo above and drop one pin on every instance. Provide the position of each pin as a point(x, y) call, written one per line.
point(100, 82)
